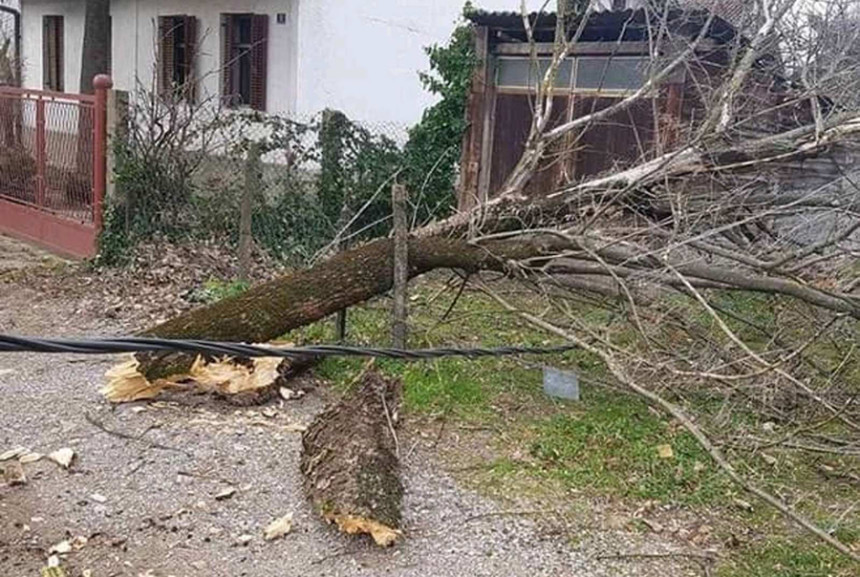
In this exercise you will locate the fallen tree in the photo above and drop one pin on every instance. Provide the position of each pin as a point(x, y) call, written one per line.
point(350, 461)
point(269, 310)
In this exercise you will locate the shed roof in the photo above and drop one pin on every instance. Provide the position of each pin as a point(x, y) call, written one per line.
point(607, 25)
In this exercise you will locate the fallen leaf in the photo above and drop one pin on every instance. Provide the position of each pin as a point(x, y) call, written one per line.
point(653, 525)
point(769, 459)
point(741, 504)
point(12, 454)
point(61, 548)
point(270, 413)
point(63, 457)
point(698, 467)
point(79, 542)
point(294, 428)
point(225, 494)
point(279, 527)
point(13, 473)
point(29, 458)
point(665, 451)
point(288, 394)
point(244, 539)
point(98, 498)
point(52, 571)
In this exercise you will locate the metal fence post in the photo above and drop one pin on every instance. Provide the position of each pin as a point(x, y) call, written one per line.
point(101, 84)
point(41, 152)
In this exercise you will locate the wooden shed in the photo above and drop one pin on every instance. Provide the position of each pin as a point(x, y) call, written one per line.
point(610, 59)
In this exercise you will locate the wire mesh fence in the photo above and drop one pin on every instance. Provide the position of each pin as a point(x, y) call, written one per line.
point(300, 186)
point(46, 158)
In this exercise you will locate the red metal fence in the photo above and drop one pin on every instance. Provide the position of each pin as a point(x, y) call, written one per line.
point(52, 167)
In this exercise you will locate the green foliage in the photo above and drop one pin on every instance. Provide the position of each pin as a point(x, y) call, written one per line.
point(215, 290)
point(433, 151)
point(315, 176)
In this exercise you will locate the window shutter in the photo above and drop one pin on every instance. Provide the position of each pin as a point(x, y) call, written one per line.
point(59, 42)
point(190, 88)
point(46, 52)
point(165, 55)
point(259, 60)
point(109, 54)
point(52, 53)
point(227, 65)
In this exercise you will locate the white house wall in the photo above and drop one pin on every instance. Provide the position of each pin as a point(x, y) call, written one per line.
point(135, 33)
point(134, 42)
point(359, 56)
point(32, 12)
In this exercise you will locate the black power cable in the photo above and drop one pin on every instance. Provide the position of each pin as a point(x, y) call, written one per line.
point(13, 344)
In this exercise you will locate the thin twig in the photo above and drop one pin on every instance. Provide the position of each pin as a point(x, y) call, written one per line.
point(137, 438)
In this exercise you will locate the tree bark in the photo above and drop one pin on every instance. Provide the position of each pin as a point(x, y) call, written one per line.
point(349, 461)
point(269, 310)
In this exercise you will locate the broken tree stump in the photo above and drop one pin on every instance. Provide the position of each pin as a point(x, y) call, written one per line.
point(349, 461)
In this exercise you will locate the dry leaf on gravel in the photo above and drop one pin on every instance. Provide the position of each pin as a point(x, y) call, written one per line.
point(53, 571)
point(225, 494)
point(63, 457)
point(29, 458)
point(61, 548)
point(279, 527)
point(13, 473)
point(12, 453)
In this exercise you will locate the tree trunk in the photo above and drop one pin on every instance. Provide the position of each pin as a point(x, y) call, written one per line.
point(349, 461)
point(269, 310)
point(97, 43)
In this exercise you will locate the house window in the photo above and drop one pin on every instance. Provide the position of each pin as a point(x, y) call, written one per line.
point(522, 73)
point(52, 53)
point(244, 59)
point(609, 75)
point(177, 47)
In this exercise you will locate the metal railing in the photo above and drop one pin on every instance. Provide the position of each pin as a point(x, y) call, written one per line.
point(52, 163)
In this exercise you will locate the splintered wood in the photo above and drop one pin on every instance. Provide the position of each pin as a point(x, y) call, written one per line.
point(349, 461)
point(225, 376)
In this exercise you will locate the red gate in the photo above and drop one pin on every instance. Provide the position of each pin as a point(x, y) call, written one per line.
point(53, 167)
